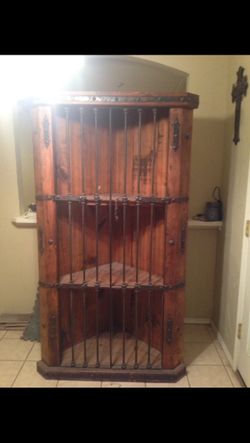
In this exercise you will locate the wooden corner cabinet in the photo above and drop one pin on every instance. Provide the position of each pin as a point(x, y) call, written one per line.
point(112, 174)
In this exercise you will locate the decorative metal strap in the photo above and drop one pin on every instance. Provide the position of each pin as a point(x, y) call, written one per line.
point(176, 135)
point(98, 285)
point(97, 198)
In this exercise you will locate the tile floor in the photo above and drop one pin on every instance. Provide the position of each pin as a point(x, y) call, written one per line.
point(207, 365)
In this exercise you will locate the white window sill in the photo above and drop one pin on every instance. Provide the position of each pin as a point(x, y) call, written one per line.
point(29, 220)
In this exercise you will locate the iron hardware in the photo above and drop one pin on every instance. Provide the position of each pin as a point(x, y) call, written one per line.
point(169, 330)
point(40, 241)
point(176, 134)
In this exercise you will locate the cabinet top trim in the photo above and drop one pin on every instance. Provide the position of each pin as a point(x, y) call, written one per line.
point(180, 100)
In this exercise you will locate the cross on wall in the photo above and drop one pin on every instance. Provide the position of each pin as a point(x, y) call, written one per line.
point(238, 91)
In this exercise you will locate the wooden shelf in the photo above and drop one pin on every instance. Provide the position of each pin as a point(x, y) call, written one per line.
point(103, 276)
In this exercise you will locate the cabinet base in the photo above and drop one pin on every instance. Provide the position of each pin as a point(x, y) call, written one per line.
point(144, 375)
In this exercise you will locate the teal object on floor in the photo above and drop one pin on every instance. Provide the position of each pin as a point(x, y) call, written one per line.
point(32, 330)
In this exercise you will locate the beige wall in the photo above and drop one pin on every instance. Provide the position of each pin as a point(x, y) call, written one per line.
point(236, 180)
point(18, 259)
point(18, 263)
point(208, 77)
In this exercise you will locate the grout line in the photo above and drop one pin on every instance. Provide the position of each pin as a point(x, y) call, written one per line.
point(218, 355)
point(189, 384)
point(12, 384)
point(30, 352)
point(3, 335)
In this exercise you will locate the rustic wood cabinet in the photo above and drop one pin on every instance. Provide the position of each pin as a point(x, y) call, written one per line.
point(112, 173)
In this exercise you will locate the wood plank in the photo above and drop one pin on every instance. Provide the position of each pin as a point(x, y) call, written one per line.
point(116, 276)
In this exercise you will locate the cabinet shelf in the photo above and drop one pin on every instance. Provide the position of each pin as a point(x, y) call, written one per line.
point(117, 281)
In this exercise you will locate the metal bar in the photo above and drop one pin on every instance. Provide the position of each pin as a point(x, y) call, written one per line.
point(124, 240)
point(142, 287)
point(137, 239)
point(110, 238)
point(97, 237)
point(70, 241)
point(151, 243)
point(84, 249)
point(149, 329)
point(97, 326)
point(165, 243)
point(68, 148)
point(71, 330)
point(154, 151)
point(125, 149)
point(139, 151)
point(162, 327)
point(96, 151)
point(82, 150)
point(124, 283)
point(97, 282)
point(136, 329)
point(85, 361)
point(143, 200)
point(71, 281)
point(123, 328)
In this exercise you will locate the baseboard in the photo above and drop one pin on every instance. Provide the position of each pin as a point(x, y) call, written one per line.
point(223, 345)
point(197, 321)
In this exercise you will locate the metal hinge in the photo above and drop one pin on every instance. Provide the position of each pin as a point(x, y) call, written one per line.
point(239, 332)
point(247, 229)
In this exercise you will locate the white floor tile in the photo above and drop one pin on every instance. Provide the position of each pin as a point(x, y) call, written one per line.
point(201, 354)
point(29, 377)
point(8, 372)
point(208, 376)
point(35, 353)
point(182, 383)
point(78, 384)
point(14, 349)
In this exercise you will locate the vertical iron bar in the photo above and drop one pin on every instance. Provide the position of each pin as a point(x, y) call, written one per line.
point(125, 149)
point(96, 152)
point(123, 327)
point(110, 237)
point(71, 280)
point(85, 362)
point(136, 329)
point(124, 281)
point(84, 255)
point(149, 315)
point(82, 151)
point(71, 330)
point(165, 242)
point(137, 239)
point(97, 201)
point(154, 151)
point(151, 242)
point(149, 328)
point(70, 241)
point(83, 204)
point(97, 282)
point(97, 326)
point(125, 200)
point(68, 148)
point(139, 151)
point(162, 327)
